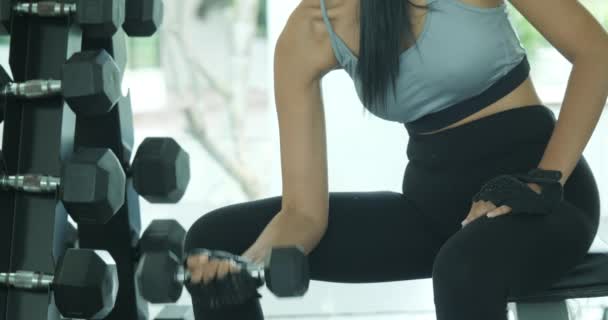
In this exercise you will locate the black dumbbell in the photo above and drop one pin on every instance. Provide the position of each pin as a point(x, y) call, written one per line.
point(85, 284)
point(116, 46)
point(91, 186)
point(96, 18)
point(160, 170)
point(143, 17)
point(160, 273)
point(160, 237)
point(90, 84)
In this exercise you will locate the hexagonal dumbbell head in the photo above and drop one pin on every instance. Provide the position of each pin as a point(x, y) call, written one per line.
point(161, 170)
point(287, 273)
point(156, 277)
point(93, 185)
point(163, 235)
point(91, 82)
point(85, 284)
point(115, 45)
point(162, 246)
point(100, 18)
point(143, 17)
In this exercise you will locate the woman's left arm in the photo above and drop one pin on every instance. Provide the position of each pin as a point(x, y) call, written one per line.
point(581, 39)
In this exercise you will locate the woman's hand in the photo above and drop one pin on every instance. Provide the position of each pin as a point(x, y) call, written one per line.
point(203, 269)
point(481, 208)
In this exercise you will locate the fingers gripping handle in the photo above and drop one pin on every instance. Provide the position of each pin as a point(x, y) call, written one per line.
point(254, 269)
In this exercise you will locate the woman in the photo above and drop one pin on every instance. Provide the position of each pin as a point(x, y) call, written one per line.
point(474, 214)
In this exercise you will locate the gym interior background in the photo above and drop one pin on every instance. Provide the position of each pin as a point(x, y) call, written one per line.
point(206, 79)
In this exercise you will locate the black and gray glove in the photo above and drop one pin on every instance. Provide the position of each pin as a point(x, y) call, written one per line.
point(512, 190)
point(233, 289)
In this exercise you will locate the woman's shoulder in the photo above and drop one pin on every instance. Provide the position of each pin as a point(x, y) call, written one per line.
point(329, 4)
point(312, 8)
point(304, 43)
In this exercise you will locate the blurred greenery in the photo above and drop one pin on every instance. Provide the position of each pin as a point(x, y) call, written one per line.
point(532, 39)
point(143, 52)
point(262, 18)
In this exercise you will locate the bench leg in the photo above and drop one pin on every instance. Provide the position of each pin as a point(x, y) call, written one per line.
point(555, 310)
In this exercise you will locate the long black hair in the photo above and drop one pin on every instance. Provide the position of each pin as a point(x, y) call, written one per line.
point(385, 24)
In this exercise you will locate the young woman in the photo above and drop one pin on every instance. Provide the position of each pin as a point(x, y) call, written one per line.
point(497, 199)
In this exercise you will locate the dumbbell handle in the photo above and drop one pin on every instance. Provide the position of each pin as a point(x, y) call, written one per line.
point(184, 276)
point(30, 183)
point(33, 88)
point(46, 8)
point(27, 280)
point(256, 270)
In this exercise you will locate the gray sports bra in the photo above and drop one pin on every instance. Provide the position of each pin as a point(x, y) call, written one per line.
point(467, 58)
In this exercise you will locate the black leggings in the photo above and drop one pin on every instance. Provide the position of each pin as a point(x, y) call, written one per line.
point(388, 236)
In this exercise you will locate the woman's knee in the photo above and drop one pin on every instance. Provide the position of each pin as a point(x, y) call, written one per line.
point(206, 232)
point(232, 228)
point(461, 270)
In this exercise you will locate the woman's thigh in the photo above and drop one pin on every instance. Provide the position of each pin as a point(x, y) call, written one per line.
point(371, 236)
point(510, 255)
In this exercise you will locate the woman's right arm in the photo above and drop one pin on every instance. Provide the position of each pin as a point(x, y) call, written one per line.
point(303, 55)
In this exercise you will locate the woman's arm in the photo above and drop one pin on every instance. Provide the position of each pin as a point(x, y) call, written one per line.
point(584, 42)
point(303, 55)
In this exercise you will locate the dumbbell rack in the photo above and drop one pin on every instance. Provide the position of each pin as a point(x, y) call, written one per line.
point(39, 135)
point(114, 130)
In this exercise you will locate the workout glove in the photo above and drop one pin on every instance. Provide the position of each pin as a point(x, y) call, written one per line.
point(512, 190)
point(233, 289)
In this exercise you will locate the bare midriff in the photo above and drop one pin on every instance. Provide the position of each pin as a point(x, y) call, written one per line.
point(523, 96)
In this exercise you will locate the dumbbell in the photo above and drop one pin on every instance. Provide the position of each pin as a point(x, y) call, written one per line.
point(90, 84)
point(161, 238)
point(97, 18)
point(160, 273)
point(143, 17)
point(85, 284)
point(160, 170)
point(91, 186)
point(116, 46)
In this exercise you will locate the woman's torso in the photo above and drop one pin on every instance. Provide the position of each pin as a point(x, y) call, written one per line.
point(344, 18)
